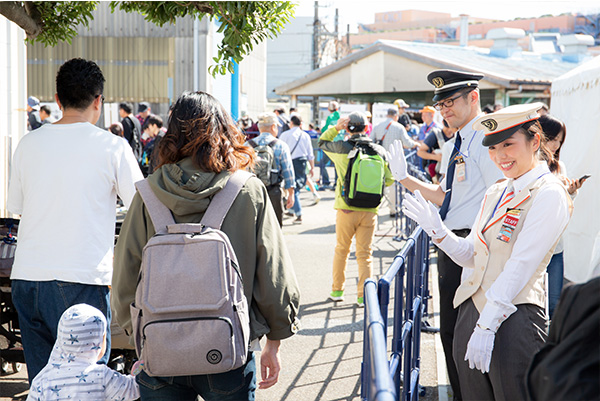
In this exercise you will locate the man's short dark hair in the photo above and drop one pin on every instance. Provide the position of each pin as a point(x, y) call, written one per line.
point(153, 119)
point(296, 120)
point(78, 83)
point(126, 106)
point(46, 109)
point(280, 110)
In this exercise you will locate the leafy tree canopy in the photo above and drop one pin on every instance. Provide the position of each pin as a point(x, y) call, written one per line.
point(243, 23)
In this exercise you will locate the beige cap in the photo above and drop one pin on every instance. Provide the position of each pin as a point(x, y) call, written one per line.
point(268, 119)
point(502, 124)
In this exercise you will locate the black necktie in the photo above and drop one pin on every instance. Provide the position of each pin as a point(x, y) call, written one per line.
point(450, 176)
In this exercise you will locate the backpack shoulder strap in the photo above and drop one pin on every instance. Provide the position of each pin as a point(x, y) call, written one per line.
point(222, 201)
point(272, 143)
point(253, 143)
point(161, 216)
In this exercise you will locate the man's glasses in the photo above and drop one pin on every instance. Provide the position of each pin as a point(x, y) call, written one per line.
point(101, 97)
point(448, 102)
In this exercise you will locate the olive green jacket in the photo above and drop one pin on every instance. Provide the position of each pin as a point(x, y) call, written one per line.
point(269, 280)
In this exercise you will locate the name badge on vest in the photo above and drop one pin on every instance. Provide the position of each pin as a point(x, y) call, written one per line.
point(509, 224)
point(461, 169)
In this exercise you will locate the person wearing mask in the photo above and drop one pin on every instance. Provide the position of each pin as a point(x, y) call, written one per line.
point(501, 299)
point(470, 173)
point(198, 154)
point(34, 120)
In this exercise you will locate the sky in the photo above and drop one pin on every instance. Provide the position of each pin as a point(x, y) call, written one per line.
point(353, 12)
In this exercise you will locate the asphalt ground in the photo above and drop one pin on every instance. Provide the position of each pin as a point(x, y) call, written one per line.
point(323, 360)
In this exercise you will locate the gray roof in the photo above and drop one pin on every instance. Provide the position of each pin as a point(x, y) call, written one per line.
point(519, 69)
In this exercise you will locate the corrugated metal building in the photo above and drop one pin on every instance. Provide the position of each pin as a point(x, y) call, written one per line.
point(144, 62)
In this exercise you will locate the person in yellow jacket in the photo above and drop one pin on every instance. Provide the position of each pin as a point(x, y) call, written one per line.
point(501, 320)
point(351, 221)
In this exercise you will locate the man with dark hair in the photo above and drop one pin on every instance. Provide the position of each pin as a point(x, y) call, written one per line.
point(152, 128)
point(132, 129)
point(64, 183)
point(46, 115)
point(302, 154)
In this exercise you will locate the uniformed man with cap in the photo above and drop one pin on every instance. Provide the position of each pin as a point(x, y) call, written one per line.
point(470, 173)
point(501, 299)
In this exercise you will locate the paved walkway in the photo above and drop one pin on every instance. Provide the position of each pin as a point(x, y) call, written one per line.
point(322, 361)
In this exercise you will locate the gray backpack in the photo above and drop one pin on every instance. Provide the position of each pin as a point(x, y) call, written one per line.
point(190, 315)
point(265, 166)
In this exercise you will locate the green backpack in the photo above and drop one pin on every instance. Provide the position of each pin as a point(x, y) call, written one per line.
point(365, 178)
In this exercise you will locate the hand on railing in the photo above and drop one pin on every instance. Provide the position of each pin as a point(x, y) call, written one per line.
point(425, 214)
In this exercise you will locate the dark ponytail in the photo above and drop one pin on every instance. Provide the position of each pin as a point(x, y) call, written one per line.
point(533, 127)
point(552, 127)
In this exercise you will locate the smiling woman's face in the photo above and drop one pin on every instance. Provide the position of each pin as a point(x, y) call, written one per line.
point(516, 155)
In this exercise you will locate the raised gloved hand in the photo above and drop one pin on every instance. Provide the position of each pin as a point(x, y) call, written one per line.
point(424, 213)
point(397, 161)
point(479, 349)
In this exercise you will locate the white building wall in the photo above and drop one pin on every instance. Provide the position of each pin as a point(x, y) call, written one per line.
point(253, 82)
point(289, 54)
point(13, 99)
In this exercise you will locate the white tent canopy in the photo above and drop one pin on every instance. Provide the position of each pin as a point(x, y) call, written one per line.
point(576, 101)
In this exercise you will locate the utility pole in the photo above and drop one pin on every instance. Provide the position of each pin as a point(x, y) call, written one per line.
point(336, 33)
point(315, 61)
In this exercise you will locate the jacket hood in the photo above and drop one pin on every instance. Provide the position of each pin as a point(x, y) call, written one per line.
point(185, 188)
point(80, 336)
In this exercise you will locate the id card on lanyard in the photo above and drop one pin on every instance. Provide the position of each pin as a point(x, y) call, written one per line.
point(460, 169)
point(509, 224)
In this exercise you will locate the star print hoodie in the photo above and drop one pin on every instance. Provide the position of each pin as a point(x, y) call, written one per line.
point(72, 372)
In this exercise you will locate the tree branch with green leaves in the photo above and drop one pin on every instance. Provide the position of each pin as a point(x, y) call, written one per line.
point(243, 24)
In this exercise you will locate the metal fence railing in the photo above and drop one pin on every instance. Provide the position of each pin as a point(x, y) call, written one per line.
point(398, 378)
point(380, 381)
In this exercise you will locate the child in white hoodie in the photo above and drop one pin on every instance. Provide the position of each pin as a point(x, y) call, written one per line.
point(72, 372)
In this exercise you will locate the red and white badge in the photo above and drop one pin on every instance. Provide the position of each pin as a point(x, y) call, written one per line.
point(509, 224)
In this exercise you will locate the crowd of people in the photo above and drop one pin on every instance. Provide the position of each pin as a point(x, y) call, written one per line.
point(495, 179)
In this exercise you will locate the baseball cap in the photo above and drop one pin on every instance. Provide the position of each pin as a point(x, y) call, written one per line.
point(33, 102)
point(268, 119)
point(401, 103)
point(427, 109)
point(143, 106)
point(358, 122)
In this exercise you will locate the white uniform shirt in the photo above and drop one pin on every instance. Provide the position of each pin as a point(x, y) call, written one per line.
point(481, 173)
point(297, 136)
point(64, 182)
point(537, 236)
point(392, 131)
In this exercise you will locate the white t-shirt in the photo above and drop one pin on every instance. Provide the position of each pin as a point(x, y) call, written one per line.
point(64, 183)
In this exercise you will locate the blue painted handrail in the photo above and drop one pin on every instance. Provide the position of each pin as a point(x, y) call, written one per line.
point(382, 378)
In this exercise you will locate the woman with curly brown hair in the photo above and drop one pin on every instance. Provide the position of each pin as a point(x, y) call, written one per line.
point(197, 155)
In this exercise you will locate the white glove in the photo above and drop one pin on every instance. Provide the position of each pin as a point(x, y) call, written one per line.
point(424, 213)
point(397, 161)
point(479, 349)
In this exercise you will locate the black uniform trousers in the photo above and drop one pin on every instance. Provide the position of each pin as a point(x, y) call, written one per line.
point(449, 279)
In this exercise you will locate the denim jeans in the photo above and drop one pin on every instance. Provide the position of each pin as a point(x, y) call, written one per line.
point(235, 385)
point(555, 271)
point(40, 304)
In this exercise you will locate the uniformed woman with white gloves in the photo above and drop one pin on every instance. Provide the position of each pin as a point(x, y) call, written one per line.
point(501, 320)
